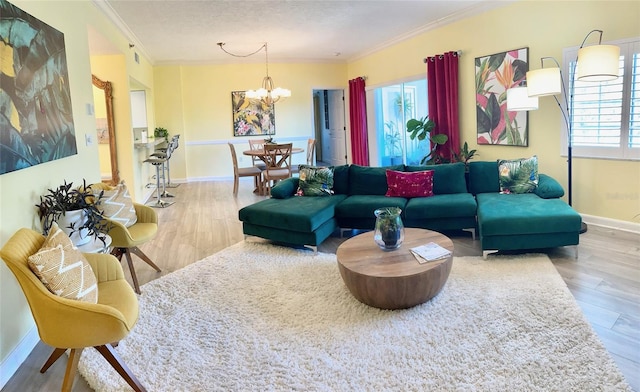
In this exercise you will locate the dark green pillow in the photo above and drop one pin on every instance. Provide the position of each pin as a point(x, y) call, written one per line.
point(341, 179)
point(285, 188)
point(365, 180)
point(315, 181)
point(548, 187)
point(448, 178)
point(483, 177)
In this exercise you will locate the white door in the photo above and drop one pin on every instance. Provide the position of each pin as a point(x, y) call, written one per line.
point(337, 128)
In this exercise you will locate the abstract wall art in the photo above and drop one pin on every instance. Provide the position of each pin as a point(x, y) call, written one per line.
point(36, 121)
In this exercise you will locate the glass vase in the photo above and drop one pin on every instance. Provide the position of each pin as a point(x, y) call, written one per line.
point(389, 232)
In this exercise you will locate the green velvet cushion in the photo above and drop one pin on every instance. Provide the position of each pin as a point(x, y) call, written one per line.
point(441, 206)
point(518, 175)
point(285, 188)
point(363, 206)
point(526, 213)
point(483, 177)
point(304, 214)
point(315, 181)
point(548, 187)
point(448, 178)
point(341, 179)
point(364, 180)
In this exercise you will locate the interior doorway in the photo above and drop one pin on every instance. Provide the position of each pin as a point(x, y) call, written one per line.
point(330, 127)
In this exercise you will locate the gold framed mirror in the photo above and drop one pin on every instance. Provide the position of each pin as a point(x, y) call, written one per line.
point(106, 129)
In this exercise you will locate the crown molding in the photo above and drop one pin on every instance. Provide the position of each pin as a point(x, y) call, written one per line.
point(109, 12)
point(484, 6)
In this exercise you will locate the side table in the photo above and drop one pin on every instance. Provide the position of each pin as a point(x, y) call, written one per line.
point(96, 246)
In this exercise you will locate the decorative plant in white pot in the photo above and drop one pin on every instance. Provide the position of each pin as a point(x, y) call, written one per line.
point(76, 212)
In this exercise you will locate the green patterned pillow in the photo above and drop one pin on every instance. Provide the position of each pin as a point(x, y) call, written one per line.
point(518, 175)
point(315, 181)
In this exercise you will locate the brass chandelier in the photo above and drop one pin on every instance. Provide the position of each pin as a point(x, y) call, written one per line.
point(267, 94)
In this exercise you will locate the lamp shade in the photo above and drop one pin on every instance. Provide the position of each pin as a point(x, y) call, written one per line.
point(598, 63)
point(544, 81)
point(518, 100)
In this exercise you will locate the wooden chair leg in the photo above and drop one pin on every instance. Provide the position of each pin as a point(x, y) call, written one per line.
point(236, 180)
point(114, 360)
point(117, 252)
point(72, 368)
point(136, 251)
point(134, 277)
point(57, 353)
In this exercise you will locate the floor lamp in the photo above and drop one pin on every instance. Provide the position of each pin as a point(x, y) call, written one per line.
point(596, 63)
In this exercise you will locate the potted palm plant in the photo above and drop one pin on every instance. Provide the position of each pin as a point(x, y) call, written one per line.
point(393, 143)
point(76, 212)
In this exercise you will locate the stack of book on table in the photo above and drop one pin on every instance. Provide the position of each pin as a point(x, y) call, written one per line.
point(430, 252)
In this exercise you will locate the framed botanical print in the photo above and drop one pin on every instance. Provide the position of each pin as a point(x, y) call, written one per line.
point(495, 74)
point(252, 117)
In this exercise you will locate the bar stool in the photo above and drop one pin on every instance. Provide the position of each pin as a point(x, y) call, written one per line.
point(158, 162)
point(166, 153)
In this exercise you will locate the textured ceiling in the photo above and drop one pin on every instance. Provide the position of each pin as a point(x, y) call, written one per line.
point(186, 31)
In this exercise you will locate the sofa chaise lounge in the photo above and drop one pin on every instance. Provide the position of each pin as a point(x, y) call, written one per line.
point(461, 201)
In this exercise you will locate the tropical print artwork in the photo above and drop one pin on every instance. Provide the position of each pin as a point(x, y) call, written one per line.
point(252, 117)
point(36, 121)
point(495, 74)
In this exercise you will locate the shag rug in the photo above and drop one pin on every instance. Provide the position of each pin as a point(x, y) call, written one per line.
point(258, 317)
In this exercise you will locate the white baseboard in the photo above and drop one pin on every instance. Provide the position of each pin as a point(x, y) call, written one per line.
point(10, 365)
point(611, 223)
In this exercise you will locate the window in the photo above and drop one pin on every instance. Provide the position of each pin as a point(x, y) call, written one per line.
point(392, 106)
point(606, 116)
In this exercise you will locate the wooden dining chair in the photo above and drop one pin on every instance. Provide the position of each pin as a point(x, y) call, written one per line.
point(278, 160)
point(311, 148)
point(238, 172)
point(257, 144)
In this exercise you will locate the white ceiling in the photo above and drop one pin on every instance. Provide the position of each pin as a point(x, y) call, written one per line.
point(187, 31)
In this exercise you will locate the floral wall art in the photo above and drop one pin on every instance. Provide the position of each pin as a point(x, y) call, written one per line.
point(495, 74)
point(35, 100)
point(252, 117)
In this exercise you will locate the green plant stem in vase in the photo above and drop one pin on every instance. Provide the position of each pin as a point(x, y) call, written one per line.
point(389, 230)
point(66, 200)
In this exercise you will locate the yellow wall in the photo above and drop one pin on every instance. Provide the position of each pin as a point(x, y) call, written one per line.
point(602, 188)
point(195, 102)
point(20, 190)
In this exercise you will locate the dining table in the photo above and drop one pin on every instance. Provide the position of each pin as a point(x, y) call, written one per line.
point(262, 155)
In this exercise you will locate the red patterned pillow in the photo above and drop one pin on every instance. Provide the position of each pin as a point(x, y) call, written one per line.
point(409, 184)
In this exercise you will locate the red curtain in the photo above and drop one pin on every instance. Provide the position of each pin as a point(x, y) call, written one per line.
point(358, 121)
point(442, 82)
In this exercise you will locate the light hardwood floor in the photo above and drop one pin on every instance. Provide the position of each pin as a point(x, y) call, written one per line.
point(604, 279)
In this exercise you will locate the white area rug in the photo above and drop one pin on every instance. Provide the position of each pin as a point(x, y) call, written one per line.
point(257, 317)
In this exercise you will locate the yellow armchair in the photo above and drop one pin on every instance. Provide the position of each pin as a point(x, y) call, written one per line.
point(125, 240)
point(70, 324)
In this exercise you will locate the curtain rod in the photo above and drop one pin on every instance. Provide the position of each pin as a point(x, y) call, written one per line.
point(456, 53)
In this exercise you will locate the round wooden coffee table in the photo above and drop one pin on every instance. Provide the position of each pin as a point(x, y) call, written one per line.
point(393, 279)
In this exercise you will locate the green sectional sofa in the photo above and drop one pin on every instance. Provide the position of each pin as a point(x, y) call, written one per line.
point(467, 201)
point(521, 221)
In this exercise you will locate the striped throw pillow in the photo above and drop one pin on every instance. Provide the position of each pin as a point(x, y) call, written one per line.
point(63, 269)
